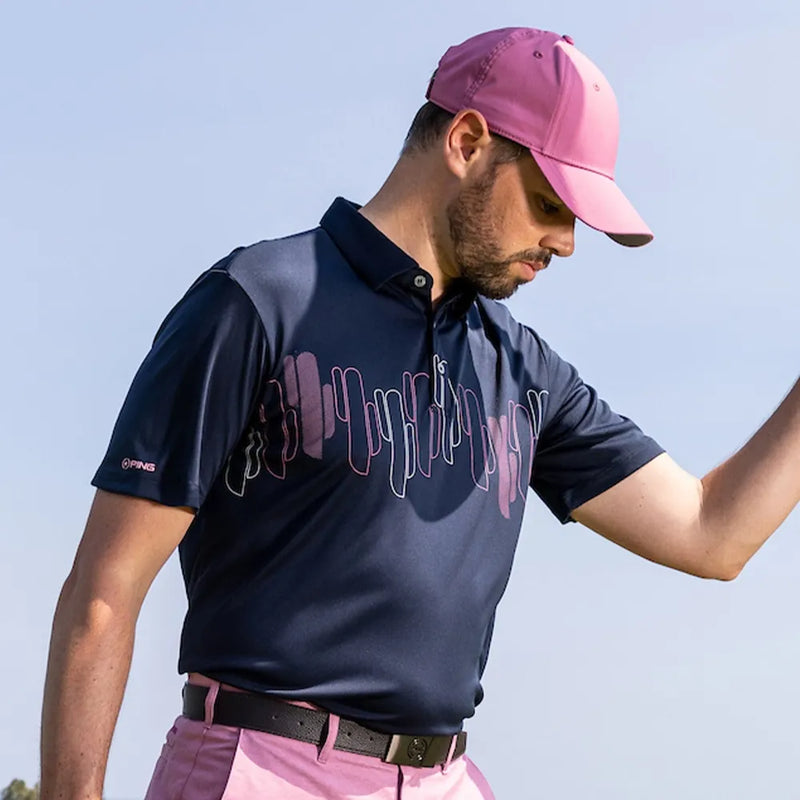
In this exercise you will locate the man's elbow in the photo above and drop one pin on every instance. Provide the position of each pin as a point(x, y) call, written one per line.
point(728, 572)
point(722, 566)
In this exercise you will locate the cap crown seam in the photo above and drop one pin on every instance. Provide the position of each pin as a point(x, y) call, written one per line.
point(490, 60)
point(558, 113)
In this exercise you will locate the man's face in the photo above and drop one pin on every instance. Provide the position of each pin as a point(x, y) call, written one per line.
point(505, 226)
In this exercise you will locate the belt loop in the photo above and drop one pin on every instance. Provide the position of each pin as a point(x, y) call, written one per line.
point(330, 738)
point(211, 699)
point(450, 752)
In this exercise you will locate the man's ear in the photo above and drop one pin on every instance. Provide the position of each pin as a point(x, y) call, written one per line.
point(466, 142)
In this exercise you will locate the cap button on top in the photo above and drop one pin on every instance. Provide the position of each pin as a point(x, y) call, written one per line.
point(420, 282)
point(568, 39)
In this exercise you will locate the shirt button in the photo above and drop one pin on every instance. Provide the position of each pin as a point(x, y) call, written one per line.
point(420, 282)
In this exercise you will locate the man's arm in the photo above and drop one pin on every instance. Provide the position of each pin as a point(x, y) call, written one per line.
point(708, 527)
point(125, 544)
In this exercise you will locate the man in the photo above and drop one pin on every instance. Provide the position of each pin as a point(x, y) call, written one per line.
point(339, 428)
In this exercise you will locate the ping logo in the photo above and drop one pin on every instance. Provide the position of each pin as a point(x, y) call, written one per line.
point(134, 463)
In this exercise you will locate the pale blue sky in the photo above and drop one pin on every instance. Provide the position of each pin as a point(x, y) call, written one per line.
point(142, 141)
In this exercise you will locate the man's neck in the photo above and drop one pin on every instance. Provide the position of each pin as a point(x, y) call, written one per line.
point(405, 211)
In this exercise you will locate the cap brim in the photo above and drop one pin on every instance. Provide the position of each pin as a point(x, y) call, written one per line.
point(596, 200)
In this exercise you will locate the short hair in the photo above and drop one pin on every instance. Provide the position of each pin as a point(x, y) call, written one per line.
point(430, 124)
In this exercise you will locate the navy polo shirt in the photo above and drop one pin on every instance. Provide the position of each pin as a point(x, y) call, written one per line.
point(359, 462)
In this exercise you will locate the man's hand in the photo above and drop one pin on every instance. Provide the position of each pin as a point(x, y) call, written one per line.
point(708, 527)
point(125, 544)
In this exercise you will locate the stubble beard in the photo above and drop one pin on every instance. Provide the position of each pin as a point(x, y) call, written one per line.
point(473, 234)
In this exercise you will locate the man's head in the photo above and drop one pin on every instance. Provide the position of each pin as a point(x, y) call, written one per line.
point(536, 89)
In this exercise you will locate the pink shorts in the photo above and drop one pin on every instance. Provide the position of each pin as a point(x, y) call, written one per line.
point(204, 761)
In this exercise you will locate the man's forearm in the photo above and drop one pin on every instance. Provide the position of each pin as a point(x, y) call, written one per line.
point(90, 655)
point(748, 496)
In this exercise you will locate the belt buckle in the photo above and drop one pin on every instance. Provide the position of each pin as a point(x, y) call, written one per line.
point(415, 751)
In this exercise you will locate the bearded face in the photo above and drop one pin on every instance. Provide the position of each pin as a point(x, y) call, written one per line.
point(476, 239)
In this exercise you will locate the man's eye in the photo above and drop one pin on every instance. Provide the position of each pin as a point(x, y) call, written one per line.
point(549, 208)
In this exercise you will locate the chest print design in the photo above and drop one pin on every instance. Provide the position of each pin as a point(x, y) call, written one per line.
point(423, 420)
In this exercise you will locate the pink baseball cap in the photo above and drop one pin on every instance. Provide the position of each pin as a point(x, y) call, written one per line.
point(536, 88)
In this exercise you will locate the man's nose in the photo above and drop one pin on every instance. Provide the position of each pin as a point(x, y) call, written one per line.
point(561, 242)
point(562, 245)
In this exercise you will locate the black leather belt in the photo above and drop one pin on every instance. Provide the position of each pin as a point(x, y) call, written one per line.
point(259, 712)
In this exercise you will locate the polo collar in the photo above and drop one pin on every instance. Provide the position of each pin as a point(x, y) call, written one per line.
point(376, 258)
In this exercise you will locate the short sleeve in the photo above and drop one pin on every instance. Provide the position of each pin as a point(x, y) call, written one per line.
point(191, 398)
point(584, 447)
